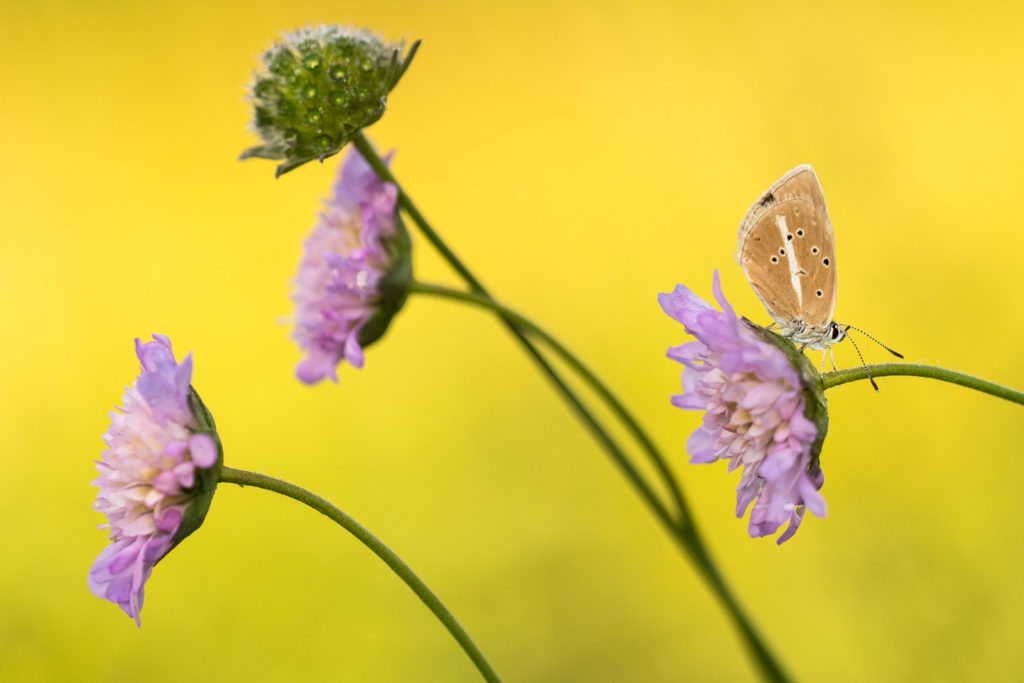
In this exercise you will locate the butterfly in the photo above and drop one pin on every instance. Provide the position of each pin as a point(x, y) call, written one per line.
point(787, 251)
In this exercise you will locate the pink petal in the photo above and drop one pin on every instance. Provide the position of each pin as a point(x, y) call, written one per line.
point(203, 450)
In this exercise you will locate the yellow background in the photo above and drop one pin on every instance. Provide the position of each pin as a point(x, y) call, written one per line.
point(581, 157)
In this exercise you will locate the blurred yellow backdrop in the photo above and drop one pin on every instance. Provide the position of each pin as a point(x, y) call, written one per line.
point(581, 157)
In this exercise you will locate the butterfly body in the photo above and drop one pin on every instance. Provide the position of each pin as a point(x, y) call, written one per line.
point(786, 249)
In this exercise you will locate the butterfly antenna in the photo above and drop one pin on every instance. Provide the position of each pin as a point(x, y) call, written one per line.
point(862, 363)
point(895, 353)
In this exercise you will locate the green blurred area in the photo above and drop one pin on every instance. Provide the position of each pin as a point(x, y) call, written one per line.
point(581, 157)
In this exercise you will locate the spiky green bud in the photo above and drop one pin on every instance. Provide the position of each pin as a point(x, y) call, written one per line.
point(319, 87)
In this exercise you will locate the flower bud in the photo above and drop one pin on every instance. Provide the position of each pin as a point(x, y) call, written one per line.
point(319, 87)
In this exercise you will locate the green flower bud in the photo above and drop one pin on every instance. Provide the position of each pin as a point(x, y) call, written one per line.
point(320, 86)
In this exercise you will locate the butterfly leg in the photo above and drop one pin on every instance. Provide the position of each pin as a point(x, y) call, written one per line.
point(821, 365)
point(831, 357)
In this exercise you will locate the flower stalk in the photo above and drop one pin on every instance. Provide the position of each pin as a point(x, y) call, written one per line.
point(230, 475)
point(834, 379)
point(682, 531)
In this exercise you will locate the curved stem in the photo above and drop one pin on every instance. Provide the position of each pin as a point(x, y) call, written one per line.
point(684, 531)
point(588, 376)
point(229, 475)
point(770, 669)
point(614, 450)
point(834, 379)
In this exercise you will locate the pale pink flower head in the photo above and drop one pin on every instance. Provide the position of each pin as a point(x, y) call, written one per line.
point(157, 474)
point(763, 408)
point(354, 274)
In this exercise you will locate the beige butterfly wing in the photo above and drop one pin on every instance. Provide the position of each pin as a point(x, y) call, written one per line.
point(786, 249)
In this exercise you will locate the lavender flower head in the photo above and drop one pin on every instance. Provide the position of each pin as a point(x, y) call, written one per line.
point(763, 409)
point(157, 475)
point(354, 274)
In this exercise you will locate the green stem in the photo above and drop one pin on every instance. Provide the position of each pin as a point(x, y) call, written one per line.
point(229, 475)
point(600, 433)
point(834, 379)
point(770, 669)
point(370, 155)
point(683, 532)
point(602, 390)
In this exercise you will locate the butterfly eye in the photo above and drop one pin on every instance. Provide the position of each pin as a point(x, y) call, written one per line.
point(835, 331)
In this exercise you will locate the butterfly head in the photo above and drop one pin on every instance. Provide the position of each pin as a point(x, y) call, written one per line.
point(836, 334)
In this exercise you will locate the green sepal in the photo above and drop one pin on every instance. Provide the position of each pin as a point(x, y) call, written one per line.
point(815, 403)
point(260, 152)
point(206, 477)
point(406, 62)
point(393, 286)
point(292, 165)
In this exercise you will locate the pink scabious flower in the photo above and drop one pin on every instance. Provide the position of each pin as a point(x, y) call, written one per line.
point(157, 474)
point(763, 409)
point(354, 273)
